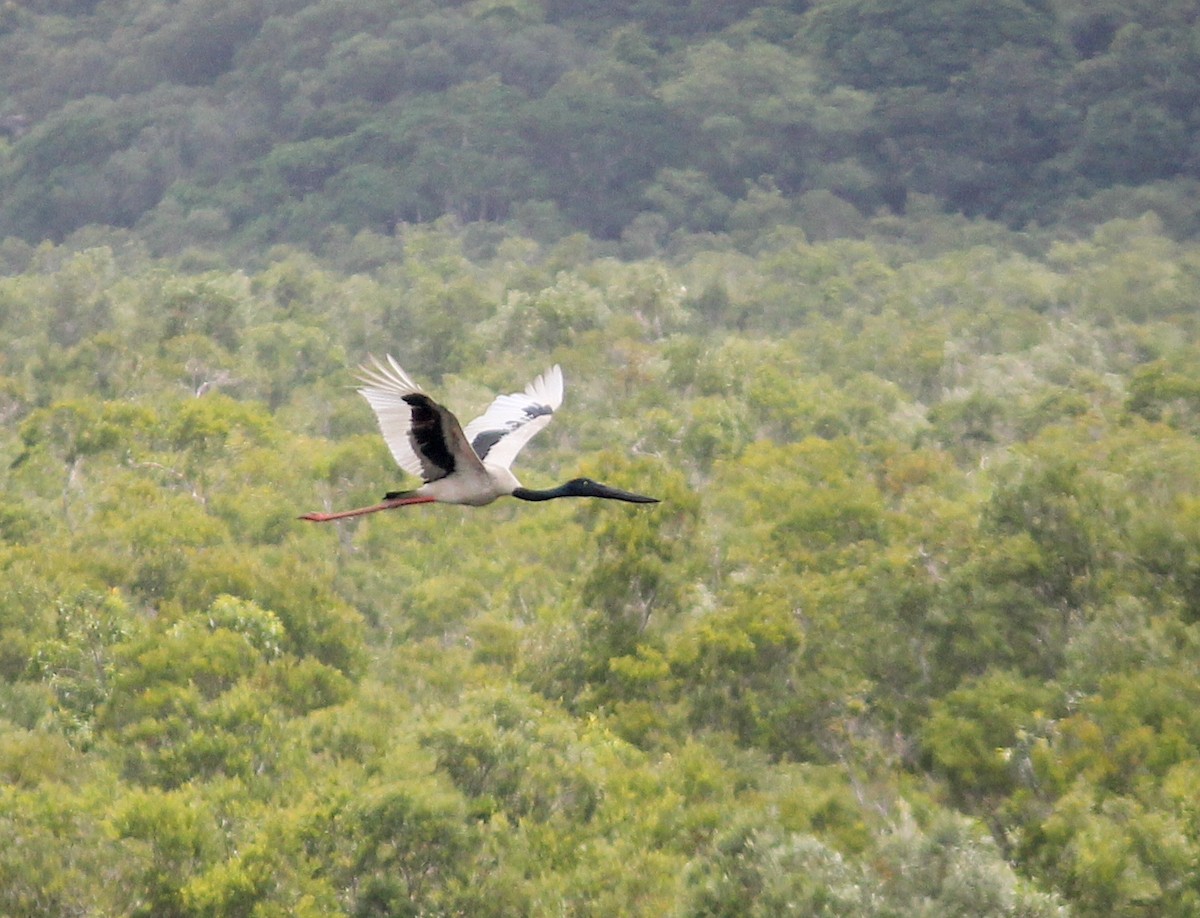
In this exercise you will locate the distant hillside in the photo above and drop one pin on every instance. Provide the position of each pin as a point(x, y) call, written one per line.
point(262, 121)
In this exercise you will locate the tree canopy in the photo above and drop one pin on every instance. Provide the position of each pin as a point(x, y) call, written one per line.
point(916, 621)
point(892, 304)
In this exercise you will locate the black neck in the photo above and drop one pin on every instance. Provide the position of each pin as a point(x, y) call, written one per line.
point(583, 487)
point(548, 494)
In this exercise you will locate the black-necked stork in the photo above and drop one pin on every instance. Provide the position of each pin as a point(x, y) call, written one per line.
point(463, 466)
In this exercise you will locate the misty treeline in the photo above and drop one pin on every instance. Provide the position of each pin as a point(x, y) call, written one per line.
point(261, 121)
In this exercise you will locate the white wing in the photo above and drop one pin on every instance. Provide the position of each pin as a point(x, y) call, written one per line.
point(425, 438)
point(511, 420)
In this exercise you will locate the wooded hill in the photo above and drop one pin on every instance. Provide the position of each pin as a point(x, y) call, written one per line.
point(260, 121)
point(914, 631)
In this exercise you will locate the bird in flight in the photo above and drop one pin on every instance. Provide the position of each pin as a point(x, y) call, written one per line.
point(463, 466)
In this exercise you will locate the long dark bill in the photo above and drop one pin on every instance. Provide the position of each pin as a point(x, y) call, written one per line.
point(611, 493)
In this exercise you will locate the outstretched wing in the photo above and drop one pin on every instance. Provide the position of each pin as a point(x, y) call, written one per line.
point(425, 438)
point(500, 432)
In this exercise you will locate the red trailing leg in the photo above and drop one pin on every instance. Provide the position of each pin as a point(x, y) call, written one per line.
point(362, 511)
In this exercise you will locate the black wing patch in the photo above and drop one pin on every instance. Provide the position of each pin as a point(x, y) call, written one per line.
point(486, 439)
point(428, 440)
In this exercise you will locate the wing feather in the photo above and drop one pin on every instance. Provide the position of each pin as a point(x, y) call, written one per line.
point(424, 437)
point(510, 421)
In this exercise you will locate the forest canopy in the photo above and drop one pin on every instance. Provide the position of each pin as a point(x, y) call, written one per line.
point(894, 306)
point(916, 621)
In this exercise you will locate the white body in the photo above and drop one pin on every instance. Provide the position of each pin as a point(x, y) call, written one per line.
point(458, 467)
point(474, 488)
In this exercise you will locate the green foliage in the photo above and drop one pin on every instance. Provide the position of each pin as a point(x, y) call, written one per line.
point(406, 842)
point(223, 126)
point(914, 628)
point(881, 43)
point(981, 734)
point(80, 662)
point(947, 870)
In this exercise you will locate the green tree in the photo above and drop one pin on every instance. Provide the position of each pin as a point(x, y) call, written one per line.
point(879, 43)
